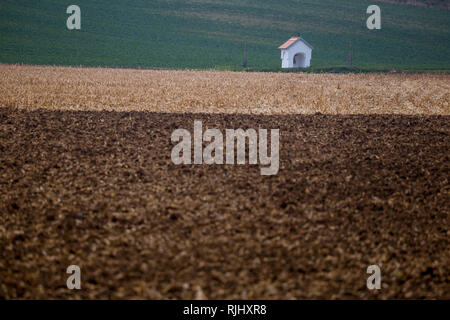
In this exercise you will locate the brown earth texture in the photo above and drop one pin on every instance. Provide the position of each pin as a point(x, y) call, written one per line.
point(98, 189)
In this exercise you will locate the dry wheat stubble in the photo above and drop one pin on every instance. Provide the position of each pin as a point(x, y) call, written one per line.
point(68, 88)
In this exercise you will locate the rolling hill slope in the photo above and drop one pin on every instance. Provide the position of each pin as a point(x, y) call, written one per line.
point(201, 33)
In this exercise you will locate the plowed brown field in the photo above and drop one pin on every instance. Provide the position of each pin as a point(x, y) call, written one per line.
point(98, 188)
point(65, 88)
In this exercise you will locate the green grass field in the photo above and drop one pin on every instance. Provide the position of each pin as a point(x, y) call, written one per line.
point(199, 33)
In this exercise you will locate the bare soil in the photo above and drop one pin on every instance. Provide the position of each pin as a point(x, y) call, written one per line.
point(99, 190)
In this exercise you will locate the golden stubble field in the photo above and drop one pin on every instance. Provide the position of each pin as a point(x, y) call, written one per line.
point(71, 88)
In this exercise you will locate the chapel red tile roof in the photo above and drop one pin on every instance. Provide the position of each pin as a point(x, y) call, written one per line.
point(288, 43)
point(291, 41)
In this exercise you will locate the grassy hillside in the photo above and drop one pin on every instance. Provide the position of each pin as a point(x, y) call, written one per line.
point(200, 33)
